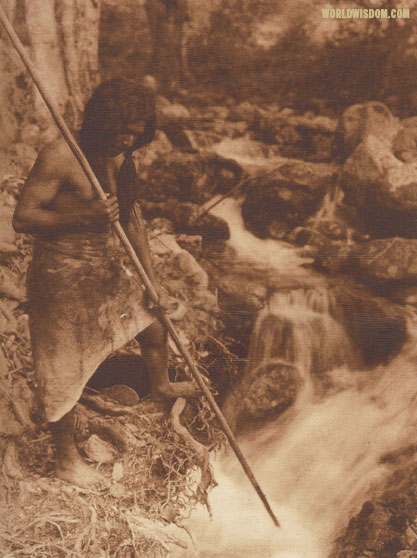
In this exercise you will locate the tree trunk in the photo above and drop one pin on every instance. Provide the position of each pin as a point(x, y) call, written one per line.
point(61, 37)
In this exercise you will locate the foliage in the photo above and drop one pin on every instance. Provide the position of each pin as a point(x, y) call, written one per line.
point(258, 48)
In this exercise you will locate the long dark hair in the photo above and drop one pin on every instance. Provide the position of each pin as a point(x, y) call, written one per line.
point(113, 105)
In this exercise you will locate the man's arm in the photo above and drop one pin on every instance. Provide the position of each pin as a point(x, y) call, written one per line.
point(32, 214)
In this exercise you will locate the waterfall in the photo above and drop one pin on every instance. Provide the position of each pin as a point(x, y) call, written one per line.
point(318, 462)
point(274, 254)
point(297, 327)
point(321, 459)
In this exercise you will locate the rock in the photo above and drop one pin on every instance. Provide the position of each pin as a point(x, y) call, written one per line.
point(291, 194)
point(172, 112)
point(392, 260)
point(333, 258)
point(11, 285)
point(191, 243)
point(404, 295)
point(166, 245)
point(190, 177)
point(364, 119)
point(243, 112)
point(214, 113)
point(264, 393)
point(185, 217)
point(144, 157)
point(301, 136)
point(314, 123)
point(123, 395)
point(98, 450)
point(118, 490)
point(179, 137)
point(383, 524)
point(7, 234)
point(382, 188)
point(192, 271)
point(300, 236)
point(405, 142)
point(29, 135)
point(118, 472)
point(377, 326)
point(22, 156)
point(129, 370)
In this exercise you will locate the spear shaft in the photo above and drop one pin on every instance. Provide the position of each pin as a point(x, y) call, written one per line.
point(135, 260)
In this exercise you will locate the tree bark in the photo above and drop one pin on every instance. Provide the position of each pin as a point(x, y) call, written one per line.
point(61, 37)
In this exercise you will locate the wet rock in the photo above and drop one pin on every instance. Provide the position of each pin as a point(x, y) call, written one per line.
point(244, 112)
point(300, 236)
point(377, 326)
point(301, 136)
point(264, 393)
point(214, 113)
point(192, 271)
point(383, 524)
point(185, 218)
point(190, 177)
point(144, 157)
point(405, 142)
point(291, 194)
point(382, 188)
point(168, 112)
point(178, 137)
point(364, 119)
point(392, 260)
point(333, 258)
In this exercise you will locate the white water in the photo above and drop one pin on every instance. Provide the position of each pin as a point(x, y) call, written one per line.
point(270, 253)
point(319, 461)
point(316, 464)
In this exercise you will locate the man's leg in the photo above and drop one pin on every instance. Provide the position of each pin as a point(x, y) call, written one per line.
point(154, 346)
point(70, 465)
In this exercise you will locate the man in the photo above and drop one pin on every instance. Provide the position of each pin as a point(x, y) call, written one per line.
point(84, 302)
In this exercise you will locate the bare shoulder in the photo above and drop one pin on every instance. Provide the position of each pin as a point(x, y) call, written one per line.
point(57, 153)
point(55, 161)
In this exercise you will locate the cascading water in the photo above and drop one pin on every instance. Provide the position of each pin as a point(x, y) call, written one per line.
point(318, 461)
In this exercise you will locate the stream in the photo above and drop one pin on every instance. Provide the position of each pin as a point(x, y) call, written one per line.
point(318, 462)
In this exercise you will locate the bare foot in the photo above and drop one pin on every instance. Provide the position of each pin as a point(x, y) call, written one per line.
point(79, 473)
point(176, 389)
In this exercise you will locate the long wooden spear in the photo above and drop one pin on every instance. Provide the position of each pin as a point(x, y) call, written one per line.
point(135, 260)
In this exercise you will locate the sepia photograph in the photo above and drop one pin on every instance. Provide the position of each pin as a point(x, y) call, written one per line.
point(208, 278)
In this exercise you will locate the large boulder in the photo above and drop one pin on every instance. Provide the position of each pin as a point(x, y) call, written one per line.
point(265, 393)
point(190, 177)
point(302, 136)
point(185, 218)
point(289, 194)
point(386, 260)
point(405, 142)
point(244, 112)
point(382, 188)
point(376, 325)
point(364, 119)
